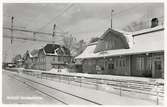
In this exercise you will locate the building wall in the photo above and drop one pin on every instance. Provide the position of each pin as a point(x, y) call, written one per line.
point(34, 61)
point(118, 65)
point(149, 40)
point(40, 61)
point(110, 65)
point(49, 60)
point(89, 66)
point(143, 65)
point(44, 62)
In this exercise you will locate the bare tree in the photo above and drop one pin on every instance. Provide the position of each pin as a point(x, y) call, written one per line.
point(80, 47)
point(69, 42)
point(75, 47)
point(136, 26)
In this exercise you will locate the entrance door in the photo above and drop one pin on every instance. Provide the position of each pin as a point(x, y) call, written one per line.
point(158, 69)
point(110, 68)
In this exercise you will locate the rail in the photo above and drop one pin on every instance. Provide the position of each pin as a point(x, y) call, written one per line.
point(154, 89)
point(50, 87)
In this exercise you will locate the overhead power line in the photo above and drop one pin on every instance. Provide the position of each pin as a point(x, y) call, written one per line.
point(61, 13)
point(126, 10)
point(29, 39)
point(36, 32)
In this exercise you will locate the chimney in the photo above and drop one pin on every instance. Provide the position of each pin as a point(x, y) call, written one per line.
point(154, 22)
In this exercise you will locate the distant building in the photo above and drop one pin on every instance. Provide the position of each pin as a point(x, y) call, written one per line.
point(48, 57)
point(19, 63)
point(139, 53)
point(30, 59)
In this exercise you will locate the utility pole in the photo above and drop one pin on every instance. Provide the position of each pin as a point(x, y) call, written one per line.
point(12, 54)
point(111, 16)
point(53, 36)
point(12, 29)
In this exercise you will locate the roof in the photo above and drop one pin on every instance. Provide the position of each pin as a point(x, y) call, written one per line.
point(118, 33)
point(118, 52)
point(149, 30)
point(55, 49)
point(34, 53)
point(145, 43)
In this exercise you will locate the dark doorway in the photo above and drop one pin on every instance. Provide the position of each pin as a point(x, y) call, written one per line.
point(158, 69)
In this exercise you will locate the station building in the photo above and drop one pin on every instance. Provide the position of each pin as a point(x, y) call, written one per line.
point(48, 57)
point(140, 53)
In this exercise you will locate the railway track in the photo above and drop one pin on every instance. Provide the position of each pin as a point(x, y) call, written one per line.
point(74, 99)
point(138, 87)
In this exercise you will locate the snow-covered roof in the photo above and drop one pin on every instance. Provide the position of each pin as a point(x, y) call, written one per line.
point(145, 43)
point(55, 49)
point(117, 52)
point(33, 55)
point(140, 32)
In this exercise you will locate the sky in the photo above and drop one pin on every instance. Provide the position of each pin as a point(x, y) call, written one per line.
point(83, 21)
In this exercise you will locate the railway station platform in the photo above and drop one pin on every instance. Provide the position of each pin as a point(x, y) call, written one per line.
point(90, 96)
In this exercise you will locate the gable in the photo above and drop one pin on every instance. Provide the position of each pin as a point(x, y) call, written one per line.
point(147, 42)
point(55, 49)
point(111, 40)
point(41, 53)
point(50, 48)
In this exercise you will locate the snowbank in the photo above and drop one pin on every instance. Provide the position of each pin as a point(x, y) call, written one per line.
point(98, 76)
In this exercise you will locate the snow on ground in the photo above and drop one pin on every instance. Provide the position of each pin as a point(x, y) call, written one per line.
point(53, 70)
point(15, 92)
point(95, 95)
point(124, 78)
point(112, 93)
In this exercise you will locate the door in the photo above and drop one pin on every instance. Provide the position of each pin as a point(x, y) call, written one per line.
point(110, 68)
point(158, 69)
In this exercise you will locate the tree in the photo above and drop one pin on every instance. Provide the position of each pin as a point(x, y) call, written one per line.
point(136, 26)
point(80, 47)
point(75, 47)
point(69, 42)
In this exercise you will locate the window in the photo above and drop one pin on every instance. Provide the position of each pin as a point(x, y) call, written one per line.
point(89, 62)
point(54, 58)
point(120, 63)
point(116, 63)
point(111, 66)
point(140, 63)
point(149, 63)
point(123, 62)
point(59, 58)
point(106, 45)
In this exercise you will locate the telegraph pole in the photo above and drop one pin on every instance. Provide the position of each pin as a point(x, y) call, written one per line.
point(111, 16)
point(12, 20)
point(12, 29)
point(12, 54)
point(53, 36)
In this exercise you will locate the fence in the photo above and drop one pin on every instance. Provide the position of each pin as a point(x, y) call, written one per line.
point(154, 89)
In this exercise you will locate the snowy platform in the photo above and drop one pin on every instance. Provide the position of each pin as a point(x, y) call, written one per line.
point(113, 77)
point(95, 95)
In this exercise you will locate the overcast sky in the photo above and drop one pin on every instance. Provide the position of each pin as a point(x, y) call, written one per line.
point(83, 21)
